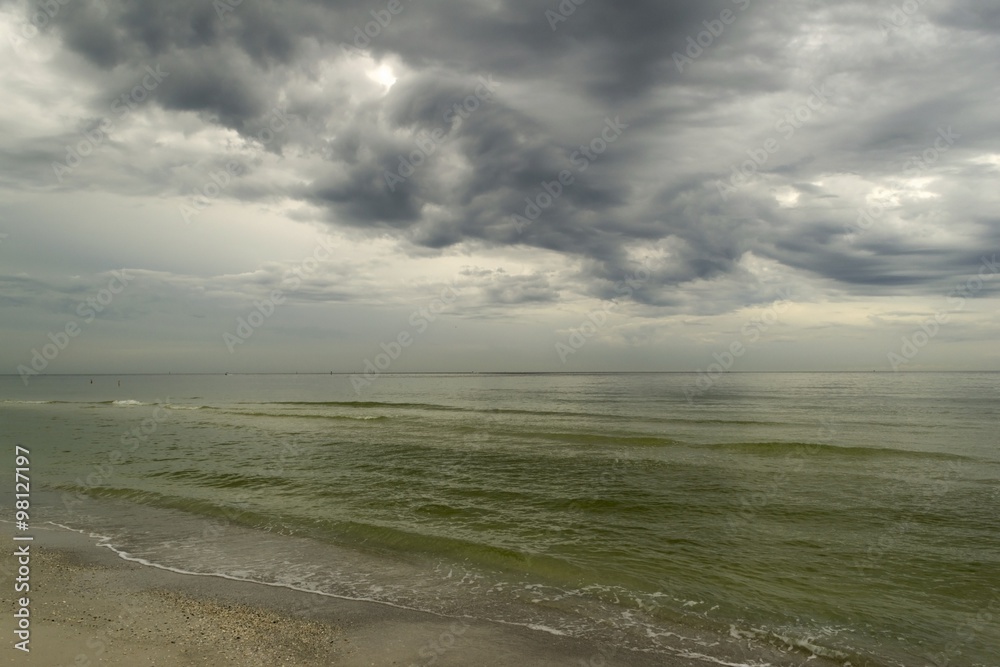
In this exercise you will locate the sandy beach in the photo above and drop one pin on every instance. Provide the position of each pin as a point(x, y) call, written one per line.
point(90, 607)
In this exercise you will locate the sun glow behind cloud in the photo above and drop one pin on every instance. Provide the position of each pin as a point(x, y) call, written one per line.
point(383, 75)
point(645, 210)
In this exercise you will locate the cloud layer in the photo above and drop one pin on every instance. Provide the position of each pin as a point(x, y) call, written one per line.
point(683, 159)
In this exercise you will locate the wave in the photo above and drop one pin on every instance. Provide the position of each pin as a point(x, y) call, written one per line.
point(789, 642)
point(231, 480)
point(122, 402)
point(522, 411)
point(236, 513)
point(292, 415)
point(372, 534)
point(367, 404)
point(598, 438)
point(357, 532)
point(823, 449)
point(106, 541)
point(261, 409)
point(128, 402)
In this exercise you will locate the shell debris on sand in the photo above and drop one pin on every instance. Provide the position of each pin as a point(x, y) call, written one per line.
point(85, 615)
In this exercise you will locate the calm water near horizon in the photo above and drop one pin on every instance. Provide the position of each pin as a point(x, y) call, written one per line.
point(774, 518)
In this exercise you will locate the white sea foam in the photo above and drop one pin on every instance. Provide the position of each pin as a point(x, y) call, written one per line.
point(105, 541)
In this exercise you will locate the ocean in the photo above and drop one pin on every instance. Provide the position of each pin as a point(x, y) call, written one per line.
point(757, 519)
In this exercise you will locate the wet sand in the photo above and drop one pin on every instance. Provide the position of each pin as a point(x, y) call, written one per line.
point(90, 607)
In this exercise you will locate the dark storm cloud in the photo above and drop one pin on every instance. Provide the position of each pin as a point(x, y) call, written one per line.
point(889, 92)
point(614, 49)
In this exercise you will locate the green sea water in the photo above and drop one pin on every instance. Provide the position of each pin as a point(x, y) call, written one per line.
point(834, 518)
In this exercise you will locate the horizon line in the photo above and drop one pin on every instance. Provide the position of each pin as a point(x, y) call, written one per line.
point(692, 372)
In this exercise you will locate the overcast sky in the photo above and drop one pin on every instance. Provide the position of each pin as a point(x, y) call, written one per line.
point(499, 185)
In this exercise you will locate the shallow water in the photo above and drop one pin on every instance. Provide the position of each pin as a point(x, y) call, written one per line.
point(849, 516)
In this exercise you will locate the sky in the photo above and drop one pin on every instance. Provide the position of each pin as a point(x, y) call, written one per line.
point(498, 185)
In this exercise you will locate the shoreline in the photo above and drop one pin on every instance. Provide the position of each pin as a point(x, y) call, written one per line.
point(716, 536)
point(89, 606)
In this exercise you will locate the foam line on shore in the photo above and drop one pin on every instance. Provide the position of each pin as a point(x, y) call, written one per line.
point(105, 541)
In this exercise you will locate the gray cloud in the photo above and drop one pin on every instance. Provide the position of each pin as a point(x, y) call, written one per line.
point(852, 99)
